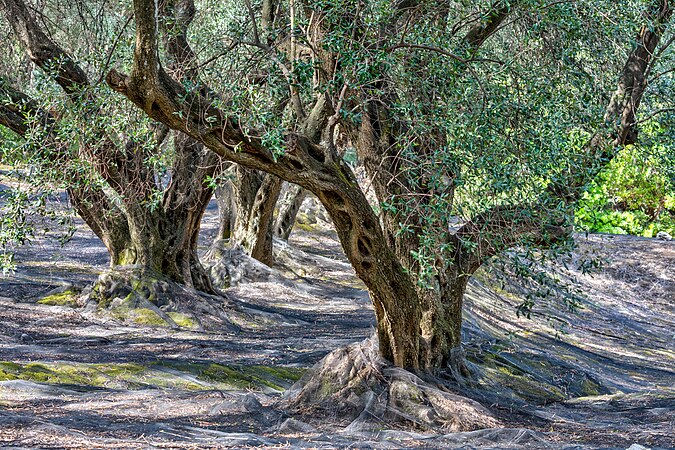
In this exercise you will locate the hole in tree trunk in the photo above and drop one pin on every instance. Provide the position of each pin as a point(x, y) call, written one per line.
point(363, 245)
point(334, 199)
point(343, 221)
point(317, 154)
point(368, 225)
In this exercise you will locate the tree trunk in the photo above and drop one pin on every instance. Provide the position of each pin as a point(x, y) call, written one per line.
point(289, 206)
point(227, 210)
point(105, 220)
point(163, 238)
point(256, 196)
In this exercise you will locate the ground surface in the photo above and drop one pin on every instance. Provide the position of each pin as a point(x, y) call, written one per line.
point(83, 380)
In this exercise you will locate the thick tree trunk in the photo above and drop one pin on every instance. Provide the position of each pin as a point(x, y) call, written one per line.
point(163, 238)
point(227, 211)
point(256, 196)
point(289, 206)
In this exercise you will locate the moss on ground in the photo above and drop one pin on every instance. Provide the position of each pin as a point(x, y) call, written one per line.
point(526, 387)
point(242, 377)
point(66, 298)
point(146, 316)
point(183, 320)
point(590, 388)
point(180, 375)
point(98, 375)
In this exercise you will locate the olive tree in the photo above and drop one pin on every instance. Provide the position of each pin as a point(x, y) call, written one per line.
point(145, 215)
point(479, 126)
point(462, 119)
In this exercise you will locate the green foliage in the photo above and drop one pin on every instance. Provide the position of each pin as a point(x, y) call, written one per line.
point(632, 196)
point(27, 213)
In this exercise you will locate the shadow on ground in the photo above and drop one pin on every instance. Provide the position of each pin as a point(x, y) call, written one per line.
point(76, 379)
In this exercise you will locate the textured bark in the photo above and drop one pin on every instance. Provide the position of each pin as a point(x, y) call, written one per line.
point(417, 328)
point(227, 211)
point(289, 206)
point(256, 196)
point(622, 109)
point(620, 115)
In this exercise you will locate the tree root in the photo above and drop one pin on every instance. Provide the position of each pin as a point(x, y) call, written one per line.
point(132, 294)
point(356, 383)
point(230, 266)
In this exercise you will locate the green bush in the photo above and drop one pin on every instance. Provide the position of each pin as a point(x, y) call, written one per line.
point(633, 195)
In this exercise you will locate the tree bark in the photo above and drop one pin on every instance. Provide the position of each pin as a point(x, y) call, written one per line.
point(256, 196)
point(227, 210)
point(289, 206)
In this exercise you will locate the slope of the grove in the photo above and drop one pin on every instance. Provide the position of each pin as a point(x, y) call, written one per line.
point(600, 376)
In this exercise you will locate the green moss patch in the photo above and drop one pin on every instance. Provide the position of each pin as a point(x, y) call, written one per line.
point(67, 298)
point(161, 374)
point(183, 320)
point(99, 375)
point(526, 386)
point(146, 316)
point(242, 377)
point(540, 380)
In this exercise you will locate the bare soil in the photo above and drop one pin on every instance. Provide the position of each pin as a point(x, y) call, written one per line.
point(160, 388)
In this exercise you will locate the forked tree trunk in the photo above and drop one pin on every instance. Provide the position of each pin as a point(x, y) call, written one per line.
point(163, 238)
point(289, 206)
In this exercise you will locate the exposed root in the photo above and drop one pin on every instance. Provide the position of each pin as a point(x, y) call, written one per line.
point(356, 383)
point(131, 294)
point(135, 296)
point(230, 266)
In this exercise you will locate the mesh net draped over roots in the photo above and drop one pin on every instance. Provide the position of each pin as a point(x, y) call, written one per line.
point(130, 293)
point(356, 384)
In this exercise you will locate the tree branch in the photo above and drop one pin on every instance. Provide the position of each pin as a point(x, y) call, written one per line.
point(477, 35)
point(89, 200)
point(503, 227)
point(42, 50)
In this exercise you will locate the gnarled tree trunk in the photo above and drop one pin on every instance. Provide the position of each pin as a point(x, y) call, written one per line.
point(256, 195)
point(289, 207)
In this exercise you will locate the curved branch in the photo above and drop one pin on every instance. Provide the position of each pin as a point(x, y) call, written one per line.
point(504, 227)
point(477, 35)
point(42, 50)
point(104, 218)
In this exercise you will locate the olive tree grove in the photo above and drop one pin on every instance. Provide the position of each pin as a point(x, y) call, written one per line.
point(461, 118)
point(479, 125)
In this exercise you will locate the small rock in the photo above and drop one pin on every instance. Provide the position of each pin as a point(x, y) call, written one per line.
point(251, 403)
point(662, 235)
point(637, 447)
point(296, 426)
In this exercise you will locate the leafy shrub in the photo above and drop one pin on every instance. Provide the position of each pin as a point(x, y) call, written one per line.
point(633, 195)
